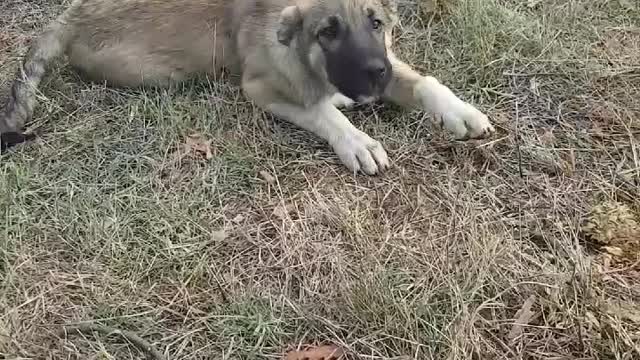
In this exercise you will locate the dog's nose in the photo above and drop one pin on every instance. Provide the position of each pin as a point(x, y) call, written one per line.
point(376, 69)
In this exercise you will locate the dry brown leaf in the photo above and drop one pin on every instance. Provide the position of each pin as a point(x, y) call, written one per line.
point(615, 229)
point(326, 352)
point(548, 138)
point(523, 317)
point(608, 221)
point(198, 144)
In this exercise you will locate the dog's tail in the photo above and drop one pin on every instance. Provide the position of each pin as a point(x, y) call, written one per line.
point(50, 45)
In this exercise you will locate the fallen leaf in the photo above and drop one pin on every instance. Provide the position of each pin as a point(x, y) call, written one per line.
point(196, 143)
point(282, 211)
point(547, 138)
point(523, 317)
point(326, 352)
point(219, 235)
point(613, 250)
point(615, 228)
point(628, 312)
point(267, 177)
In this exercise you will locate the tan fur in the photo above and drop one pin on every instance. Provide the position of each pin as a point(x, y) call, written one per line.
point(157, 42)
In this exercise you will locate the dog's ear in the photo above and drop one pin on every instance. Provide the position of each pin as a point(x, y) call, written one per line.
point(290, 23)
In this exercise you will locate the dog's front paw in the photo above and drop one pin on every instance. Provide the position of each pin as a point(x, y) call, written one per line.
point(466, 122)
point(460, 118)
point(340, 101)
point(359, 152)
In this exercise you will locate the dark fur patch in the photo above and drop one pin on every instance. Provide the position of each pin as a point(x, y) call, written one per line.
point(10, 139)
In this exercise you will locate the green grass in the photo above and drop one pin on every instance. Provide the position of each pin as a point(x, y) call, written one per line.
point(103, 220)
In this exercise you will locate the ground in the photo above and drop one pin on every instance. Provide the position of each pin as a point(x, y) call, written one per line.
point(215, 231)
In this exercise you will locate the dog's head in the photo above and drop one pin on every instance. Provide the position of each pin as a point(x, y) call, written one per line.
point(344, 42)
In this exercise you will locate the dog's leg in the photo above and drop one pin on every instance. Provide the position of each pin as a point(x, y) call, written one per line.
point(412, 90)
point(356, 149)
point(341, 101)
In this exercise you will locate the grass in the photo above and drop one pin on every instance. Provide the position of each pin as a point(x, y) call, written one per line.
point(105, 220)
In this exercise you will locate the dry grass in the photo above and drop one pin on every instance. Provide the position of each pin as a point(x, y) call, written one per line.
point(462, 251)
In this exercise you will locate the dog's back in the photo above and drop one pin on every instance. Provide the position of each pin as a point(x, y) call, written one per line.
point(131, 43)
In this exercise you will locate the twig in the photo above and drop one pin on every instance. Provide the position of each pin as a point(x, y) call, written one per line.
point(140, 343)
point(223, 293)
point(518, 151)
point(625, 269)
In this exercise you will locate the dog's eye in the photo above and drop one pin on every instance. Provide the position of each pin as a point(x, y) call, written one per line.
point(377, 24)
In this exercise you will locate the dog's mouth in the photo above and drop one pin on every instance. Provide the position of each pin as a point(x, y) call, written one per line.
point(363, 94)
point(358, 73)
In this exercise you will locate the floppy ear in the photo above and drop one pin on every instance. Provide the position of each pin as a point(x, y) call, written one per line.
point(290, 23)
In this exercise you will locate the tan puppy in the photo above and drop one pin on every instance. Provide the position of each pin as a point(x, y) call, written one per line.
point(298, 59)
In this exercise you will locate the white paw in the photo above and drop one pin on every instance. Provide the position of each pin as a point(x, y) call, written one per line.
point(340, 101)
point(460, 118)
point(359, 152)
point(466, 122)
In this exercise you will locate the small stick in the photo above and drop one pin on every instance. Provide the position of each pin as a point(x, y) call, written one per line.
point(136, 340)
